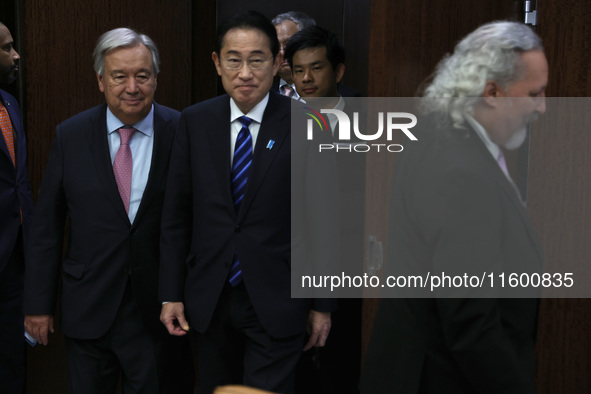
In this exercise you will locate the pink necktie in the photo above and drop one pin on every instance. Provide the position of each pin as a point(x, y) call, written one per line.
point(287, 90)
point(6, 127)
point(502, 163)
point(123, 165)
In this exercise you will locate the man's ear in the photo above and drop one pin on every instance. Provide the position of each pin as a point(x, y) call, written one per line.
point(340, 71)
point(216, 62)
point(491, 91)
point(100, 82)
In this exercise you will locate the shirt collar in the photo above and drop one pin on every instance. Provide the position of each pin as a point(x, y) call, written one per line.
point(296, 95)
point(145, 126)
point(491, 146)
point(332, 118)
point(256, 113)
point(284, 82)
point(341, 104)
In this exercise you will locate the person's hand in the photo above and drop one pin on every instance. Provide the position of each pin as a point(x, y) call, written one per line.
point(39, 327)
point(318, 328)
point(173, 318)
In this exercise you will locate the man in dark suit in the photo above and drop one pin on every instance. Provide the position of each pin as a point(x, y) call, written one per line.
point(106, 174)
point(226, 239)
point(455, 209)
point(317, 59)
point(16, 210)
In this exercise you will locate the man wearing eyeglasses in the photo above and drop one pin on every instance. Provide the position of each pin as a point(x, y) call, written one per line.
point(226, 236)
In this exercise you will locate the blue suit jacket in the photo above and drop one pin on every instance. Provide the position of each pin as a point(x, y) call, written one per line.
point(15, 190)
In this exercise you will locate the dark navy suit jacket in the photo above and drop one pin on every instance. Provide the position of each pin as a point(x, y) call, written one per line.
point(201, 229)
point(105, 249)
point(15, 190)
point(453, 210)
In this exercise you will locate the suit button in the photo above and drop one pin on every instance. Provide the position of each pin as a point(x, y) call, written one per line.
point(237, 229)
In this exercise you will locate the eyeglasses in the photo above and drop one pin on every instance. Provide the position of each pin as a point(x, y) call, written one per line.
point(256, 63)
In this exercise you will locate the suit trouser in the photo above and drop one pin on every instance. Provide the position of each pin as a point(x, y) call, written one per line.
point(236, 349)
point(129, 350)
point(12, 342)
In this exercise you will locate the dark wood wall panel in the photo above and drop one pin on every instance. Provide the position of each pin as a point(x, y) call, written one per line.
point(565, 28)
point(560, 194)
point(408, 38)
point(355, 35)
point(203, 40)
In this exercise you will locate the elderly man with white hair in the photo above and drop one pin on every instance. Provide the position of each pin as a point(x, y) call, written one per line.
point(455, 209)
point(105, 177)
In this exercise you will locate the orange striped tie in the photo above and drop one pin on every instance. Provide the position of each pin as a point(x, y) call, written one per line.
point(7, 132)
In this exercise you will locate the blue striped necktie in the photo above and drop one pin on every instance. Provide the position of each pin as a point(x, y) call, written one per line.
point(240, 169)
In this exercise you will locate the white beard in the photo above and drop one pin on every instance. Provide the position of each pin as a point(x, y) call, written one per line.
point(516, 139)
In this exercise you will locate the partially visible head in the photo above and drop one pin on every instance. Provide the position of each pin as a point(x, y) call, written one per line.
point(246, 58)
point(498, 58)
point(287, 24)
point(317, 59)
point(8, 56)
point(127, 65)
point(301, 19)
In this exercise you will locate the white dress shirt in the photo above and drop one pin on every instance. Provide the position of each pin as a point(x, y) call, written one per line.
point(256, 114)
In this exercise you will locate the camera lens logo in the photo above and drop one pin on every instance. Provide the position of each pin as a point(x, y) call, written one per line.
point(318, 118)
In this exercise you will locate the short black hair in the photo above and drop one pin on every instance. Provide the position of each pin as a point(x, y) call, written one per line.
point(248, 20)
point(316, 37)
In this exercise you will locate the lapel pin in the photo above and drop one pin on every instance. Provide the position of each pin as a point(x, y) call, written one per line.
point(270, 144)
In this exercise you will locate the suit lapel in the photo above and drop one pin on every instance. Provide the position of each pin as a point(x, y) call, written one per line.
point(274, 127)
point(99, 148)
point(160, 153)
point(218, 133)
point(512, 193)
point(509, 190)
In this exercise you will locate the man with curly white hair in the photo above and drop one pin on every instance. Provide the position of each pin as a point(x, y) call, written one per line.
point(456, 210)
point(501, 59)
